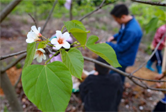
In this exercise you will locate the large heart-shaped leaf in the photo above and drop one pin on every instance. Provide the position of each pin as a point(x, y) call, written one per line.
point(49, 86)
point(74, 60)
point(31, 48)
point(103, 50)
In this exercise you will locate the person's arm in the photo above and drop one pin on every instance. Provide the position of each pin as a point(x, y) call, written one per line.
point(126, 42)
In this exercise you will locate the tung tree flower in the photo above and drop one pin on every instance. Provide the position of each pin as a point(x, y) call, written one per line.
point(40, 55)
point(33, 35)
point(60, 41)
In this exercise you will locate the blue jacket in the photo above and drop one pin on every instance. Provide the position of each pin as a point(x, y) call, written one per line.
point(128, 40)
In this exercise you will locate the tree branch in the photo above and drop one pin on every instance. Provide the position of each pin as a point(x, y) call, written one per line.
point(150, 55)
point(100, 6)
point(14, 63)
point(14, 54)
point(48, 18)
point(150, 3)
point(8, 9)
point(33, 20)
point(122, 73)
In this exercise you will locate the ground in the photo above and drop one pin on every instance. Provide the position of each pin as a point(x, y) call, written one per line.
point(13, 36)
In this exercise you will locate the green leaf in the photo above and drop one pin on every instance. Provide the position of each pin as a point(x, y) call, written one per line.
point(31, 48)
point(79, 23)
point(41, 45)
point(49, 86)
point(73, 59)
point(74, 24)
point(103, 50)
point(77, 29)
point(151, 26)
point(80, 35)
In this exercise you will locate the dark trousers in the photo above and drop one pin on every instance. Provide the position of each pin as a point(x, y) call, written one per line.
point(157, 57)
point(160, 107)
point(123, 68)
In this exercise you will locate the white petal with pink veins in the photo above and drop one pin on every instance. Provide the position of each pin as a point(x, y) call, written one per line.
point(66, 45)
point(58, 46)
point(54, 41)
point(66, 35)
point(59, 34)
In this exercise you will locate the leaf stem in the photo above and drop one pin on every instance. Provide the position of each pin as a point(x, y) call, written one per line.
point(62, 28)
point(80, 46)
point(51, 57)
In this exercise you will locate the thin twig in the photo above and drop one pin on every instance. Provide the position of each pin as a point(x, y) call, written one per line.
point(33, 20)
point(150, 3)
point(14, 54)
point(18, 80)
point(48, 18)
point(100, 6)
point(14, 63)
point(150, 55)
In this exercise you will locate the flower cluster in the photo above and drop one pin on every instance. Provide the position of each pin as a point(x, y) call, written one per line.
point(59, 41)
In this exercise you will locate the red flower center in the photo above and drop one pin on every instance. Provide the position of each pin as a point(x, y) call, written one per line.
point(39, 53)
point(60, 40)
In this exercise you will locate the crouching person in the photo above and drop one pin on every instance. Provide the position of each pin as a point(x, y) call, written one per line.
point(101, 91)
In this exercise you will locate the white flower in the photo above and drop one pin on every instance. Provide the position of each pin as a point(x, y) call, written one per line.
point(60, 41)
point(36, 31)
point(33, 35)
point(39, 55)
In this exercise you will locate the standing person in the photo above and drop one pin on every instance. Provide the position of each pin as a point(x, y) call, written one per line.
point(128, 37)
point(157, 56)
point(161, 105)
point(101, 91)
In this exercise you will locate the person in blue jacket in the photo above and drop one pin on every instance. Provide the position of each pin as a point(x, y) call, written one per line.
point(128, 37)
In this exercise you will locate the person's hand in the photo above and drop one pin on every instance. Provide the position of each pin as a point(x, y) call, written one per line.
point(110, 39)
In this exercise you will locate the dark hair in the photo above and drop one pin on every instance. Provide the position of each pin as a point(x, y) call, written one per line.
point(119, 10)
point(101, 69)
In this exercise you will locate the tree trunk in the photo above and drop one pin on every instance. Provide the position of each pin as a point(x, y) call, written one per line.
point(10, 93)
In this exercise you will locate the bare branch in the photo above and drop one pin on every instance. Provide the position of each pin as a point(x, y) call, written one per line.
point(14, 63)
point(18, 80)
point(150, 55)
point(48, 18)
point(122, 73)
point(33, 20)
point(14, 54)
point(8, 9)
point(150, 3)
point(100, 6)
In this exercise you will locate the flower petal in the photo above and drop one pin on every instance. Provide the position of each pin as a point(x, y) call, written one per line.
point(39, 59)
point(36, 55)
point(44, 57)
point(66, 45)
point(42, 50)
point(58, 34)
point(29, 40)
point(31, 35)
point(35, 29)
point(66, 35)
point(58, 46)
point(54, 41)
point(39, 28)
